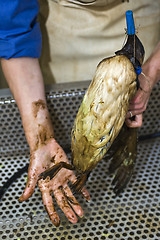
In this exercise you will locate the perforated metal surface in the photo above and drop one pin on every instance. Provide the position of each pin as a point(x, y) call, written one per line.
point(135, 214)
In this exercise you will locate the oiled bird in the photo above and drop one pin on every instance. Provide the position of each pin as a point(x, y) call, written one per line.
point(101, 116)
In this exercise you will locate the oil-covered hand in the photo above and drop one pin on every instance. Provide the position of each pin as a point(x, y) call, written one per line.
point(46, 156)
point(26, 83)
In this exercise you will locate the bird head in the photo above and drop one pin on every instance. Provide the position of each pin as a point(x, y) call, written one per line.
point(134, 50)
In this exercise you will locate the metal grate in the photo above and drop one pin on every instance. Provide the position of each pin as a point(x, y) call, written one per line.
point(135, 214)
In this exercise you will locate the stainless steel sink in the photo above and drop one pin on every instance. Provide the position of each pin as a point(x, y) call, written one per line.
point(135, 214)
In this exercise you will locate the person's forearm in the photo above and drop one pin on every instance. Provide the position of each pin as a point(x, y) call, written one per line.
point(26, 84)
point(151, 67)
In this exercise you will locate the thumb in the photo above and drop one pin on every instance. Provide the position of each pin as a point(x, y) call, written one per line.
point(135, 123)
point(30, 186)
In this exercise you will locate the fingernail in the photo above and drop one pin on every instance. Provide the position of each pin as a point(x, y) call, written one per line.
point(56, 222)
point(20, 199)
point(72, 219)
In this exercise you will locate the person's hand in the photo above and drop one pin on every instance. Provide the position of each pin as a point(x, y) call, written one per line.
point(42, 159)
point(148, 78)
point(139, 103)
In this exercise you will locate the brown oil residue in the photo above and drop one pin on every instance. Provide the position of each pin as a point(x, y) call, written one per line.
point(37, 105)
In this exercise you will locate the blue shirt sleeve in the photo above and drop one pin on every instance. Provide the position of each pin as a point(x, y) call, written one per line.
point(20, 34)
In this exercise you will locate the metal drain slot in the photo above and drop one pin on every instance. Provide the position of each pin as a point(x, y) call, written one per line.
point(134, 215)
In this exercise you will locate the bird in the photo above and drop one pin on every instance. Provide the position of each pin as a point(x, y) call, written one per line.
point(100, 121)
point(99, 126)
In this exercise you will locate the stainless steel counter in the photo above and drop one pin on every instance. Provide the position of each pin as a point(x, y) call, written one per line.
point(135, 214)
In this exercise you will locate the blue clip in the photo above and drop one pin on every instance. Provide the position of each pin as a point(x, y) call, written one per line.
point(138, 70)
point(130, 23)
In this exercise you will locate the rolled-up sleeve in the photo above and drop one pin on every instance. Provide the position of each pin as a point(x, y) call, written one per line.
point(20, 34)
